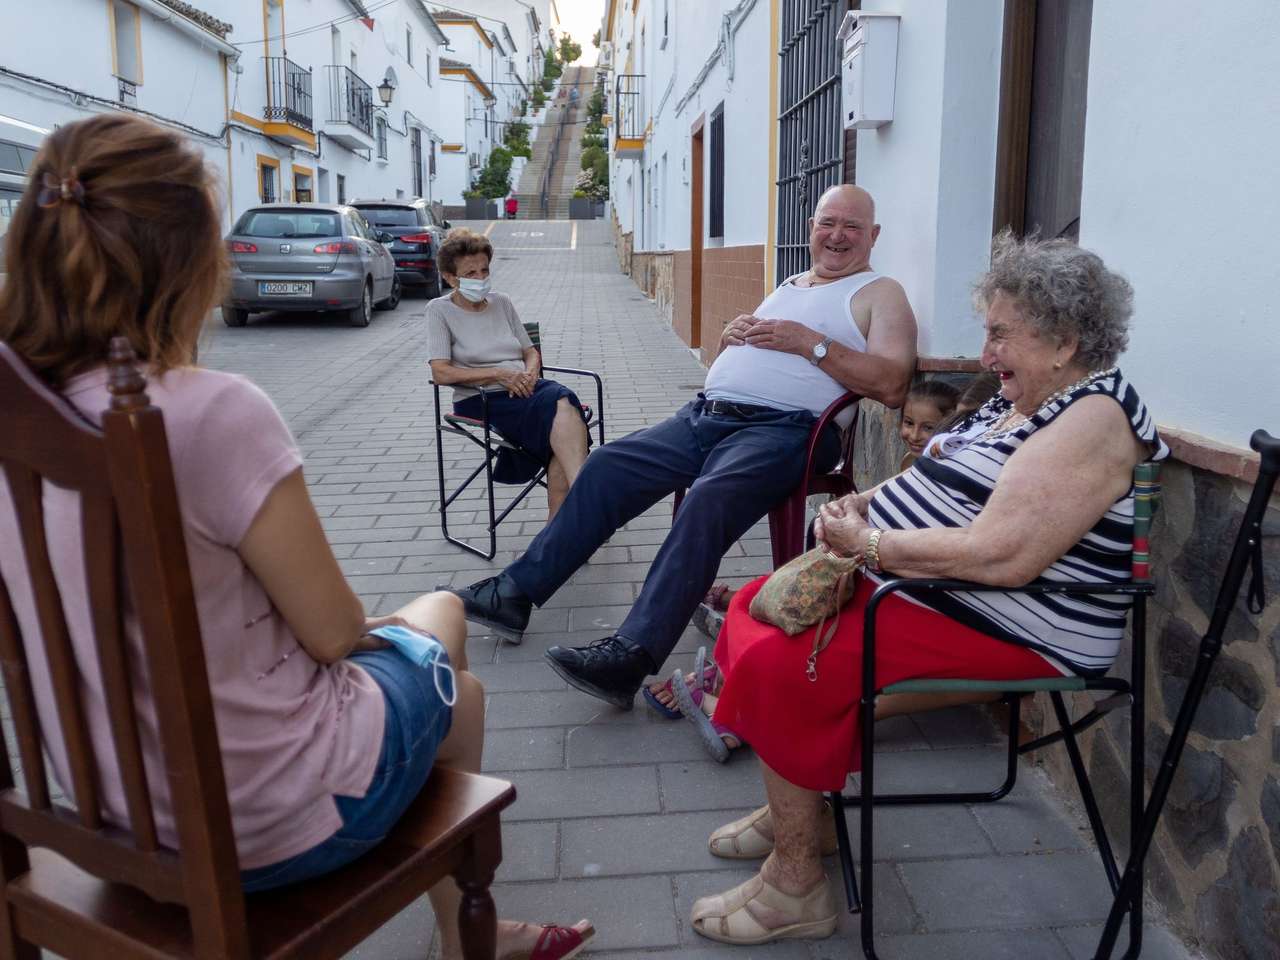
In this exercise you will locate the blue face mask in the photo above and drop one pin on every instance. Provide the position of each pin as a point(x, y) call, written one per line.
point(474, 290)
point(423, 650)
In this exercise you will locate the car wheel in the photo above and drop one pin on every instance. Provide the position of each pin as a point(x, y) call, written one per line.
point(361, 315)
point(234, 318)
point(393, 300)
point(436, 289)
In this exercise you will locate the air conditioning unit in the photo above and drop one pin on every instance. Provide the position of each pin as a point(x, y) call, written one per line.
point(606, 55)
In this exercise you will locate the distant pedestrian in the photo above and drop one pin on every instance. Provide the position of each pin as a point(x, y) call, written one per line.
point(513, 205)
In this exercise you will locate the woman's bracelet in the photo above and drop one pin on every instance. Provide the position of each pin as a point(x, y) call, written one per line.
point(871, 555)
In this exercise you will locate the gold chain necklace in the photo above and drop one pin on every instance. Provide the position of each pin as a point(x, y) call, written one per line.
point(1011, 419)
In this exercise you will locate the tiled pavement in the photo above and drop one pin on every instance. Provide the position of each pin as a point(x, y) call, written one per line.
point(614, 808)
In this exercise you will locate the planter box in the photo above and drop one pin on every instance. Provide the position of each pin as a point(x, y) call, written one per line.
point(477, 208)
point(582, 208)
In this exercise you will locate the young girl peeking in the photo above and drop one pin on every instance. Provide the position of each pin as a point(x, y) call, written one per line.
point(929, 402)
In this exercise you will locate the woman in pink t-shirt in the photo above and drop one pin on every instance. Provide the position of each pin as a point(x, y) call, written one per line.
point(326, 733)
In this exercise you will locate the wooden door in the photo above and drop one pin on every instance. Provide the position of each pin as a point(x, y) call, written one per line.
point(1043, 93)
point(695, 234)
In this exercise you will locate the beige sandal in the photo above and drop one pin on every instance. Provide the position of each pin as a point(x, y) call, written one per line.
point(751, 838)
point(757, 912)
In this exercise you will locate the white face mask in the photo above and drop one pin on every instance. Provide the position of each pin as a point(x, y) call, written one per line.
point(473, 290)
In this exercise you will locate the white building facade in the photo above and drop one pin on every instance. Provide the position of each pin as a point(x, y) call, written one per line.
point(690, 167)
point(290, 100)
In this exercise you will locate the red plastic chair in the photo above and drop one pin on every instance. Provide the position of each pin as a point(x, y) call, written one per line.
point(787, 528)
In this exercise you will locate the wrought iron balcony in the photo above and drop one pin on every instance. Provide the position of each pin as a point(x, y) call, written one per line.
point(350, 106)
point(289, 97)
point(630, 122)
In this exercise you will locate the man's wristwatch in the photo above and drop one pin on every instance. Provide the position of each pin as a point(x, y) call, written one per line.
point(820, 351)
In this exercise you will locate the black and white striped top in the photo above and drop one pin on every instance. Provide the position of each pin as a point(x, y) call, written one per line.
point(1080, 632)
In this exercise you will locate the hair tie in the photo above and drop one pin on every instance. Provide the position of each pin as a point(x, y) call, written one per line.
point(54, 190)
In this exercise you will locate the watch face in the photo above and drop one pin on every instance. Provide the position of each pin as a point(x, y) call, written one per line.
point(820, 350)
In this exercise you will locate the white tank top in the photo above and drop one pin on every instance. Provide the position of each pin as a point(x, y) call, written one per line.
point(768, 378)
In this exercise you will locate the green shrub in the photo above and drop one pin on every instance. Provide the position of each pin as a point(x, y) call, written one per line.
point(569, 50)
point(591, 155)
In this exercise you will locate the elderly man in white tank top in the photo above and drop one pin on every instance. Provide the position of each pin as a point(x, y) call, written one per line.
point(738, 449)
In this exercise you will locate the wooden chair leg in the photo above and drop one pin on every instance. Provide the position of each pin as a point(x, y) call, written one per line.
point(477, 916)
point(13, 864)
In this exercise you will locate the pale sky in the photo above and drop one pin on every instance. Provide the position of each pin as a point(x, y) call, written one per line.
point(581, 19)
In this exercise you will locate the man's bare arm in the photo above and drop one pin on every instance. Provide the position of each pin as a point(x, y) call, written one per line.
point(884, 372)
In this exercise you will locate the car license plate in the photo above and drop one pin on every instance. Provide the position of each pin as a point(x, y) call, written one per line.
point(291, 288)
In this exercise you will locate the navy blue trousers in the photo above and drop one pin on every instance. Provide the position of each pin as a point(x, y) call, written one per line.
point(734, 470)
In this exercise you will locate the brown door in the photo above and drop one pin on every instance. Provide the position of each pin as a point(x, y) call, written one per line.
point(1044, 85)
point(695, 237)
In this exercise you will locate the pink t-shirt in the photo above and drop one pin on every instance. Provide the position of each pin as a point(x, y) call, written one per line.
point(293, 732)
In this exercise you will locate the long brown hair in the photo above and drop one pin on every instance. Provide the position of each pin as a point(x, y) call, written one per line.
point(117, 234)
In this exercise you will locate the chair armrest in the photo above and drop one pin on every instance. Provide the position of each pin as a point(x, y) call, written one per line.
point(599, 392)
point(905, 584)
point(827, 417)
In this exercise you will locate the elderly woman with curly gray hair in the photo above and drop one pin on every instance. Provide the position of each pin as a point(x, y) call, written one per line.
point(1037, 484)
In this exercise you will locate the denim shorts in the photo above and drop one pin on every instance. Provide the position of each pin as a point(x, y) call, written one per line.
point(417, 720)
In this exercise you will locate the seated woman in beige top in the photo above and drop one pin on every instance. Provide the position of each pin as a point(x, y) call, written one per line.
point(476, 343)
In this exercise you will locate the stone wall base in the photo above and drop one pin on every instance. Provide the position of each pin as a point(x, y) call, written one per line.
point(654, 273)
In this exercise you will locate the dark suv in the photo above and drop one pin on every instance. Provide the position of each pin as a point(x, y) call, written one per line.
point(418, 234)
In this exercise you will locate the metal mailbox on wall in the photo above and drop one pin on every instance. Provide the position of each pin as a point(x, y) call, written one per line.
point(870, 68)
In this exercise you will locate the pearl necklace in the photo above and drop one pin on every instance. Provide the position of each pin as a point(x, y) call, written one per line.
point(1012, 419)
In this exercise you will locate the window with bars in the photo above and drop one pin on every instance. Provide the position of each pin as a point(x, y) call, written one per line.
point(267, 181)
point(415, 155)
point(432, 169)
point(717, 173)
point(380, 134)
point(342, 188)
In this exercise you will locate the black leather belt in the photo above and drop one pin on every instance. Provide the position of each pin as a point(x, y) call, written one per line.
point(731, 408)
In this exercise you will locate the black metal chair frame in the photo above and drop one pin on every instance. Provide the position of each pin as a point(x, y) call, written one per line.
point(1126, 886)
point(479, 433)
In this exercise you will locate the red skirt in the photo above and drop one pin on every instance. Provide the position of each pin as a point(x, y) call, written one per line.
point(808, 731)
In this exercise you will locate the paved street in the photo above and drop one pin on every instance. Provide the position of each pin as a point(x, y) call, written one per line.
point(614, 808)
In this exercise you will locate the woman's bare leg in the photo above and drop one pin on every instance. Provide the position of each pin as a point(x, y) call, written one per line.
point(440, 614)
point(569, 439)
point(795, 865)
point(557, 488)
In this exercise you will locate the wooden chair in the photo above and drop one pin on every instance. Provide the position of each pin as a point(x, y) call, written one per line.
point(478, 432)
point(81, 887)
point(1126, 884)
point(788, 532)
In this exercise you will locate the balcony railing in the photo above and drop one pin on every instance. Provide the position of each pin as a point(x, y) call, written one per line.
point(627, 107)
point(350, 99)
point(288, 93)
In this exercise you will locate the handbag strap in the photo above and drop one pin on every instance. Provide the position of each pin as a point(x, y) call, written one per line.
point(820, 641)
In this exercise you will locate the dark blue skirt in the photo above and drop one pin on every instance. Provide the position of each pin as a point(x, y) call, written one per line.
point(524, 421)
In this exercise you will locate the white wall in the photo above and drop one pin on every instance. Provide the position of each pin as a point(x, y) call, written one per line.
point(181, 77)
point(1180, 194)
point(932, 169)
point(670, 76)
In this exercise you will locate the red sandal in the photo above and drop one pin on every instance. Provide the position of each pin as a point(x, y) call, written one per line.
point(559, 943)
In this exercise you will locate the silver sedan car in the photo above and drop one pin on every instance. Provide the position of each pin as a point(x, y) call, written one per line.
point(309, 256)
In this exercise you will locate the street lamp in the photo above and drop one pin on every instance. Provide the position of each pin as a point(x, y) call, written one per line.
point(386, 89)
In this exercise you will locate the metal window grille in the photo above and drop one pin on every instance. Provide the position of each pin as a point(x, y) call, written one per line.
point(342, 188)
point(127, 92)
point(380, 135)
point(350, 98)
point(288, 92)
point(810, 134)
point(432, 160)
point(716, 228)
point(415, 153)
point(267, 174)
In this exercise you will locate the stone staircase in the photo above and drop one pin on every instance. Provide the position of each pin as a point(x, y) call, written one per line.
point(565, 174)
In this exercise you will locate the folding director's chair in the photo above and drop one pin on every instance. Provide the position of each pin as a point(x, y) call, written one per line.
point(478, 431)
point(1126, 886)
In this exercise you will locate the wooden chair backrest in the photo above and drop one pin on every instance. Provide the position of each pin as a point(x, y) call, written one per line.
point(133, 547)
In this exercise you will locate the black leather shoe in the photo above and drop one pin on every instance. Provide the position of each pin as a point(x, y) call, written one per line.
point(497, 603)
point(611, 669)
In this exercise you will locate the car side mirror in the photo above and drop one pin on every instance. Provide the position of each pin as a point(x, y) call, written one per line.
point(384, 237)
